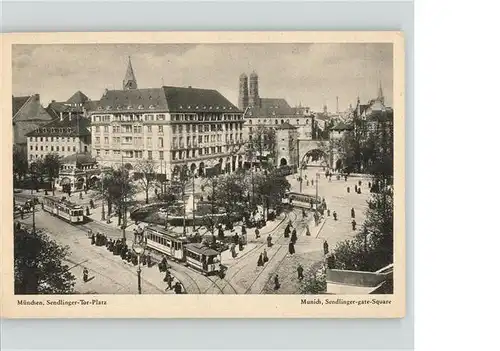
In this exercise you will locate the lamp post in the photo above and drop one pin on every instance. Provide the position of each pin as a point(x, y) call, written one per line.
point(317, 178)
point(139, 246)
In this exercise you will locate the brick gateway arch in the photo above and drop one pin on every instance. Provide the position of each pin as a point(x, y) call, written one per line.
point(305, 146)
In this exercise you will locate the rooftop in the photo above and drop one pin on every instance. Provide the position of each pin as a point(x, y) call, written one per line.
point(78, 158)
point(76, 126)
point(200, 248)
point(167, 98)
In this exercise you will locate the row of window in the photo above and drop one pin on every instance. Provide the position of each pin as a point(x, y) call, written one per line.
point(276, 121)
point(56, 139)
point(52, 148)
point(176, 142)
point(178, 117)
point(207, 127)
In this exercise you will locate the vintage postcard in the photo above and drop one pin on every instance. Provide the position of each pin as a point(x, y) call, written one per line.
point(203, 174)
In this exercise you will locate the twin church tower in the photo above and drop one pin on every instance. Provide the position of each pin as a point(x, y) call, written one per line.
point(249, 95)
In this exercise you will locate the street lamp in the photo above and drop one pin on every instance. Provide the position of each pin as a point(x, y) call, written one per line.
point(139, 246)
point(317, 180)
point(103, 215)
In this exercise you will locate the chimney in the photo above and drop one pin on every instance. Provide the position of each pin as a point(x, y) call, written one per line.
point(36, 97)
point(60, 116)
point(70, 115)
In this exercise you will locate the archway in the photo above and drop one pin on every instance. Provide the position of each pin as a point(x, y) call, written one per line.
point(315, 157)
point(201, 169)
point(93, 180)
point(283, 162)
point(79, 183)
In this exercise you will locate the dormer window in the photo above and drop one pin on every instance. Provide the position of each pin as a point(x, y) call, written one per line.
point(189, 107)
point(209, 107)
point(151, 106)
point(129, 107)
point(180, 106)
point(99, 108)
point(108, 107)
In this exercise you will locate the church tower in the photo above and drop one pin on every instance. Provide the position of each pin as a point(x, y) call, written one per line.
point(380, 96)
point(129, 81)
point(254, 99)
point(243, 97)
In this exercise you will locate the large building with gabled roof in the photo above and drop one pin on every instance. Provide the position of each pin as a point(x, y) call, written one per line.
point(27, 115)
point(176, 127)
point(78, 104)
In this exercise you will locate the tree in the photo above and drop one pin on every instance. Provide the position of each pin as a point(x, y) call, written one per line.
point(145, 173)
point(229, 194)
point(19, 162)
point(315, 282)
point(119, 190)
point(36, 173)
point(38, 265)
point(262, 144)
point(271, 187)
point(51, 166)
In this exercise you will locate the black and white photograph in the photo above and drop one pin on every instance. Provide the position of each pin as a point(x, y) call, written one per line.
point(235, 168)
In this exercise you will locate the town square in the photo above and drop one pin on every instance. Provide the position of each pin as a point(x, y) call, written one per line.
point(203, 187)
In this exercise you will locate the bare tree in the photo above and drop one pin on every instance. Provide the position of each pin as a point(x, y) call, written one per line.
point(145, 174)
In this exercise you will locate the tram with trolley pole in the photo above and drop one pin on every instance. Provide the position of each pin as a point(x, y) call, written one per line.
point(178, 248)
point(63, 209)
point(294, 199)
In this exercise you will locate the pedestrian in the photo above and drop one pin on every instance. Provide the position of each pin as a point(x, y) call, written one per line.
point(325, 247)
point(260, 261)
point(291, 248)
point(233, 250)
point(345, 177)
point(348, 190)
point(359, 183)
point(276, 282)
point(81, 196)
point(144, 260)
point(148, 259)
point(355, 188)
point(167, 276)
point(240, 244)
point(353, 224)
point(243, 230)
point(221, 232)
point(264, 256)
point(307, 183)
point(300, 272)
point(169, 282)
point(334, 215)
point(92, 239)
point(178, 288)
point(269, 241)
point(22, 213)
point(369, 185)
point(287, 231)
point(304, 213)
point(353, 213)
point(359, 190)
point(312, 182)
point(294, 236)
point(85, 275)
point(87, 210)
point(328, 212)
point(257, 233)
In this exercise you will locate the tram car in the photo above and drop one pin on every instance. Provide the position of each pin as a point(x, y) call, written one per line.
point(301, 200)
point(64, 209)
point(177, 247)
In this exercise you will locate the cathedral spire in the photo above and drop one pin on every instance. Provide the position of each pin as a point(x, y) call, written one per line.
point(129, 81)
point(380, 96)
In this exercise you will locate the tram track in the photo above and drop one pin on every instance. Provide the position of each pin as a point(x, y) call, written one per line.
point(104, 257)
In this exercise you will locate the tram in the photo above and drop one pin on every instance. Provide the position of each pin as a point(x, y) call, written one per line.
point(64, 209)
point(301, 200)
point(177, 247)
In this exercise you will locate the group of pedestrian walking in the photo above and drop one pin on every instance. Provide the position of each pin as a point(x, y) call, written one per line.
point(263, 259)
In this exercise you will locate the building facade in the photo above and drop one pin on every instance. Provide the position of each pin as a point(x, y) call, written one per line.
point(28, 114)
point(175, 127)
point(77, 171)
point(63, 136)
point(270, 112)
point(286, 145)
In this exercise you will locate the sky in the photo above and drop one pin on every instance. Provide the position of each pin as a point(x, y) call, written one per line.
point(311, 74)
